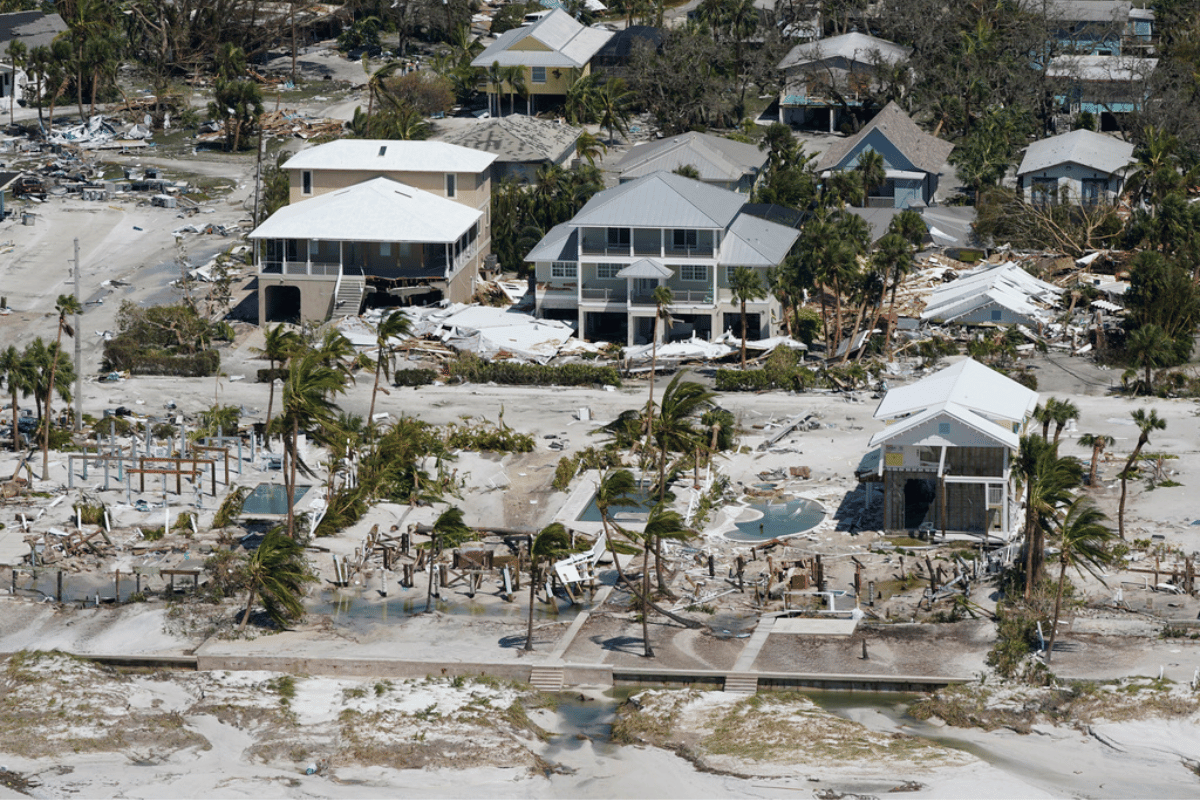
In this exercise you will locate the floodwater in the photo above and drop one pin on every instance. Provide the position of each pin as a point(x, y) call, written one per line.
point(778, 519)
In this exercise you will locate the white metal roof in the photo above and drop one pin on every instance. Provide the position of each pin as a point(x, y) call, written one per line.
point(661, 200)
point(378, 210)
point(714, 157)
point(1086, 148)
point(560, 244)
point(571, 44)
point(391, 155)
point(968, 384)
point(851, 46)
point(979, 430)
point(646, 268)
point(755, 242)
point(1005, 284)
point(1101, 68)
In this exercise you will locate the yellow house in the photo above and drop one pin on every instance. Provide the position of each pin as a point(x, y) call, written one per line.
point(550, 53)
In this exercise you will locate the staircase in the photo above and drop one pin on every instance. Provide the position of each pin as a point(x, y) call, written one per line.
point(348, 299)
point(547, 679)
point(741, 684)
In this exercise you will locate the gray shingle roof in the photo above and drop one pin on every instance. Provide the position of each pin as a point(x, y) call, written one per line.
point(715, 157)
point(661, 200)
point(1085, 148)
point(571, 44)
point(517, 138)
point(851, 46)
point(31, 28)
point(927, 153)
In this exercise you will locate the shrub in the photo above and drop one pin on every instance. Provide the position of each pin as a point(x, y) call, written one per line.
point(414, 377)
point(266, 374)
point(782, 370)
point(486, 438)
point(470, 368)
point(162, 340)
point(564, 472)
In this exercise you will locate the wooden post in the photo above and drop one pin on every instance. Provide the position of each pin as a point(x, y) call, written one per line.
point(820, 574)
point(871, 593)
point(740, 565)
point(857, 579)
point(59, 595)
point(117, 587)
point(137, 578)
point(711, 566)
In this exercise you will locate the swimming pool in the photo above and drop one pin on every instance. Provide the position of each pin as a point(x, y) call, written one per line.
point(778, 519)
point(270, 499)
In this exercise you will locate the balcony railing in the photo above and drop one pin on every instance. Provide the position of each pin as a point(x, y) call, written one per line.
point(602, 249)
point(318, 268)
point(604, 295)
point(697, 251)
point(679, 297)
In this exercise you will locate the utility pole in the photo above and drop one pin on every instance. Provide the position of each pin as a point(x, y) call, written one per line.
point(78, 348)
point(258, 170)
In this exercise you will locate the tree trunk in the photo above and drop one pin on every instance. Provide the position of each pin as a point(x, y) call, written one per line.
point(862, 309)
point(649, 652)
point(1028, 544)
point(532, 600)
point(290, 487)
point(375, 391)
point(1095, 464)
point(1124, 481)
point(743, 333)
point(270, 405)
point(1062, 577)
point(825, 321)
point(46, 421)
point(249, 605)
point(891, 331)
point(15, 433)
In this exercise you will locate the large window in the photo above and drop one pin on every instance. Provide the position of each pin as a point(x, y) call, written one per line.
point(607, 271)
point(562, 269)
point(618, 237)
point(684, 239)
point(693, 272)
point(539, 74)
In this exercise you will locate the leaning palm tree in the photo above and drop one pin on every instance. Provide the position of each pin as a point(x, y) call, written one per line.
point(395, 325)
point(663, 297)
point(17, 374)
point(1147, 423)
point(279, 344)
point(1064, 411)
point(616, 489)
point(1096, 441)
point(746, 284)
point(277, 572)
point(660, 524)
point(305, 405)
point(66, 304)
point(1083, 544)
point(1048, 481)
point(552, 543)
point(894, 257)
point(588, 146)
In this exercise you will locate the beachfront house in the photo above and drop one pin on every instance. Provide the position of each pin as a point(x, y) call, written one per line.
point(913, 160)
point(1080, 167)
point(825, 78)
point(600, 269)
point(394, 218)
point(718, 161)
point(550, 54)
point(945, 454)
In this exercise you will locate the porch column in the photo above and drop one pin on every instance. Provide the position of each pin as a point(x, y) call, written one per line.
point(662, 244)
point(283, 259)
point(629, 326)
point(308, 254)
point(341, 256)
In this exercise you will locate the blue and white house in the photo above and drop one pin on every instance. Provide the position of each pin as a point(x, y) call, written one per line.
point(1081, 167)
point(913, 160)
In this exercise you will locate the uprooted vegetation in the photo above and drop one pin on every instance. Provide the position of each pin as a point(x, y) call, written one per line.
point(163, 340)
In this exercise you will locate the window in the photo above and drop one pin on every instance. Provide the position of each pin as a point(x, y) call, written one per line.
point(997, 314)
point(995, 495)
point(693, 272)
point(943, 429)
point(314, 247)
point(306, 181)
point(1043, 190)
point(451, 184)
point(385, 249)
point(562, 269)
point(618, 237)
point(1095, 191)
point(539, 74)
point(684, 240)
point(607, 271)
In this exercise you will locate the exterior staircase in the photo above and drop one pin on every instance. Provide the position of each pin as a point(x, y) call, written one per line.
point(348, 299)
point(547, 679)
point(741, 684)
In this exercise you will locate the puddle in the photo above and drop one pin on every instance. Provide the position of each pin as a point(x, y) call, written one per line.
point(778, 519)
point(581, 716)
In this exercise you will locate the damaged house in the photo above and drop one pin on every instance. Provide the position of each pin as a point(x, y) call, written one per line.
point(945, 455)
point(402, 218)
point(999, 294)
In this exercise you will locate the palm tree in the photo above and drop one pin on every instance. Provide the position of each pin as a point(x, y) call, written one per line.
point(1083, 544)
point(276, 572)
point(279, 344)
point(1064, 411)
point(894, 256)
point(448, 530)
point(1049, 479)
point(780, 145)
point(1149, 347)
point(394, 326)
point(495, 79)
point(612, 105)
point(1096, 441)
point(589, 146)
point(663, 297)
point(18, 376)
point(551, 544)
point(871, 166)
point(660, 524)
point(514, 76)
point(1147, 423)
point(18, 52)
point(616, 489)
point(376, 81)
point(305, 404)
point(66, 304)
point(746, 284)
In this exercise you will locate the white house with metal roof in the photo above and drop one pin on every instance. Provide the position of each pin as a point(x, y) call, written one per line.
point(551, 52)
point(374, 215)
point(601, 268)
point(719, 161)
point(1077, 167)
point(821, 78)
point(994, 294)
point(945, 455)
